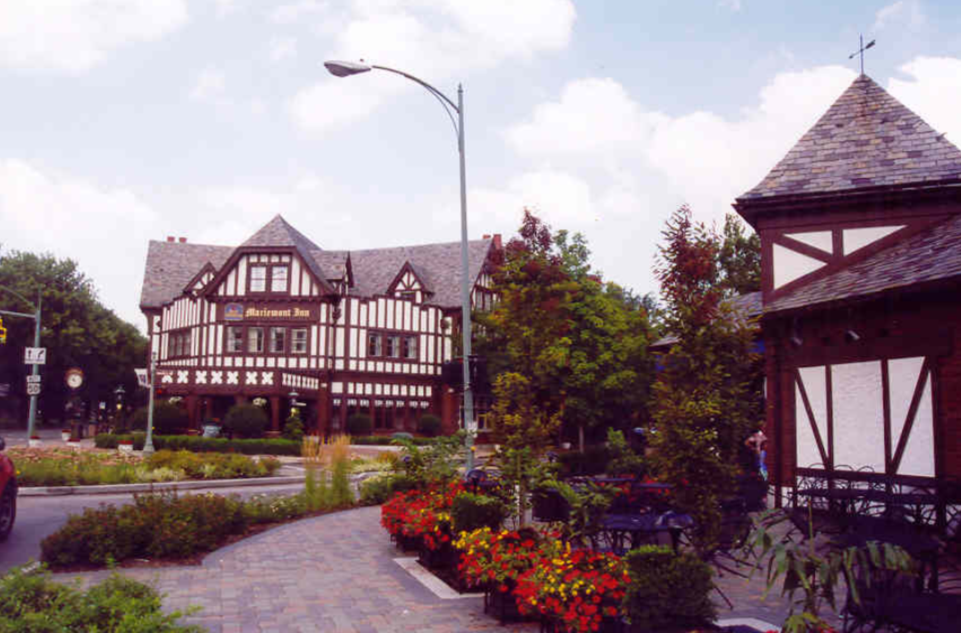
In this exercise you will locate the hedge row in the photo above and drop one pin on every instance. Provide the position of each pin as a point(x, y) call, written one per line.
point(199, 444)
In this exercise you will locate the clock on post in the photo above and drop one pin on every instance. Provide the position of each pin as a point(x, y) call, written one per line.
point(74, 378)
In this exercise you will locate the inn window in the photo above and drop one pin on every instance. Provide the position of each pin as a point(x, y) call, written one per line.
point(408, 294)
point(278, 339)
point(255, 340)
point(298, 340)
point(393, 346)
point(410, 347)
point(374, 342)
point(278, 279)
point(178, 344)
point(258, 278)
point(235, 339)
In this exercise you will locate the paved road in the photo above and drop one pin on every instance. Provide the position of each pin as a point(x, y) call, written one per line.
point(38, 517)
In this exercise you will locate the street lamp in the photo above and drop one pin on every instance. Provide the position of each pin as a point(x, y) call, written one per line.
point(346, 69)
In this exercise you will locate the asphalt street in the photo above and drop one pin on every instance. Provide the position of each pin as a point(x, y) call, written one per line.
point(38, 517)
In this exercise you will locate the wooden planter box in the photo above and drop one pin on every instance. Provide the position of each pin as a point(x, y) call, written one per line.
point(501, 604)
point(408, 543)
point(614, 624)
point(445, 556)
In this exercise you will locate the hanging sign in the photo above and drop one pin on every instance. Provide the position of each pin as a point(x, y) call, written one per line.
point(142, 378)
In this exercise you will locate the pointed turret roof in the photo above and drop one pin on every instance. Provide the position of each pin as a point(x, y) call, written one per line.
point(278, 233)
point(866, 139)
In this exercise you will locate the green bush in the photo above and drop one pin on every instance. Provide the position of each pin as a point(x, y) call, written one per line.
point(593, 461)
point(624, 461)
point(668, 589)
point(168, 418)
point(429, 425)
point(378, 489)
point(155, 526)
point(359, 424)
point(197, 444)
point(472, 511)
point(33, 602)
point(247, 420)
point(213, 466)
point(294, 427)
point(387, 440)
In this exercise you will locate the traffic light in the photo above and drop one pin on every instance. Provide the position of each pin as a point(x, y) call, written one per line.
point(3, 333)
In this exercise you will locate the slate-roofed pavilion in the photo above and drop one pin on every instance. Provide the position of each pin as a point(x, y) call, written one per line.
point(860, 227)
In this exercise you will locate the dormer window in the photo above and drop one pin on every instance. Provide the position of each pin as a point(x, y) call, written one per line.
point(278, 279)
point(273, 278)
point(410, 295)
point(258, 278)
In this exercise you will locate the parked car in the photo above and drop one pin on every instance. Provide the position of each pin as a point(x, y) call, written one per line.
point(8, 493)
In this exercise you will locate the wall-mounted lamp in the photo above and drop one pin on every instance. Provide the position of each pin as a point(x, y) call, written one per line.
point(851, 336)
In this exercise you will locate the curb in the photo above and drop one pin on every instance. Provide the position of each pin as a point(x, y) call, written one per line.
point(49, 491)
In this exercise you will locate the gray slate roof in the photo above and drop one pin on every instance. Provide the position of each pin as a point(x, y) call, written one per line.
point(170, 265)
point(931, 255)
point(866, 139)
point(747, 305)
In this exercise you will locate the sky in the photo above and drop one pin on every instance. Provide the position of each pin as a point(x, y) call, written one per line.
point(123, 121)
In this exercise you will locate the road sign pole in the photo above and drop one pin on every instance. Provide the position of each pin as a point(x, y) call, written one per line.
point(32, 419)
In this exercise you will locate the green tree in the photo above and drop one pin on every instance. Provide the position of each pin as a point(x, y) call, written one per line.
point(704, 405)
point(739, 258)
point(78, 331)
point(579, 343)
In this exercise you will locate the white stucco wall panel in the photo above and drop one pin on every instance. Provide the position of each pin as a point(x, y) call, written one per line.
point(858, 415)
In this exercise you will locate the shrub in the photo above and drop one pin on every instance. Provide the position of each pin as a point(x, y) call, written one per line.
point(155, 526)
point(247, 420)
point(429, 424)
point(359, 424)
point(380, 488)
point(472, 511)
point(593, 461)
point(624, 461)
point(387, 440)
point(168, 418)
point(205, 444)
point(668, 589)
point(34, 602)
point(294, 427)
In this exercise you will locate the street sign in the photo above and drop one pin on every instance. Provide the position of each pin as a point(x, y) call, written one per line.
point(32, 378)
point(35, 356)
point(33, 389)
point(4, 389)
point(3, 332)
point(142, 378)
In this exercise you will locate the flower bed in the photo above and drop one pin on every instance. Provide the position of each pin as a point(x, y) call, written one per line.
point(70, 467)
point(421, 514)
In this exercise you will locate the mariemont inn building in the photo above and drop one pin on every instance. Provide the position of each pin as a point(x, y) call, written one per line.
point(348, 332)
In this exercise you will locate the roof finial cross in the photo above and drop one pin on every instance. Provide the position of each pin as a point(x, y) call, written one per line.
point(861, 50)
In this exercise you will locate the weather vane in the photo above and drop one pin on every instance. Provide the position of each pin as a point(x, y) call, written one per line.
point(861, 50)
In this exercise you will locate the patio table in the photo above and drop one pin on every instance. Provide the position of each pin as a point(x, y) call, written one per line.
point(635, 528)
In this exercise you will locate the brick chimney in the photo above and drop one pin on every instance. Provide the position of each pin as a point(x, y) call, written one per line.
point(171, 238)
point(497, 241)
point(183, 240)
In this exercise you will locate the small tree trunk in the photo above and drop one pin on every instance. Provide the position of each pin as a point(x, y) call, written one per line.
point(580, 438)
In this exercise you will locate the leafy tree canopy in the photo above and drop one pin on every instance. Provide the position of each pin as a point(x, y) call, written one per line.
point(78, 331)
point(579, 344)
point(739, 258)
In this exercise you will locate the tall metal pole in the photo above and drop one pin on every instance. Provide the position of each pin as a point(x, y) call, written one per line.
point(148, 448)
point(465, 284)
point(32, 419)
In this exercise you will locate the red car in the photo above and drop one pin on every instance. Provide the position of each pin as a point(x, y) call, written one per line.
point(8, 494)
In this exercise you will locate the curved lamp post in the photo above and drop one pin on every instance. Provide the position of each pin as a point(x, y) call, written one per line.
point(346, 69)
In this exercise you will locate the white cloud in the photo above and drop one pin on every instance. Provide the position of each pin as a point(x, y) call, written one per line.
point(296, 11)
point(702, 157)
point(933, 93)
point(440, 38)
point(210, 86)
point(902, 12)
point(557, 196)
point(75, 35)
point(283, 48)
point(225, 7)
point(104, 230)
point(733, 5)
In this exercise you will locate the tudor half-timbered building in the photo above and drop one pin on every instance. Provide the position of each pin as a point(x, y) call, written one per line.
point(860, 226)
point(347, 332)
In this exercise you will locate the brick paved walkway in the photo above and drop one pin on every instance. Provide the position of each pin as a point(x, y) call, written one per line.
point(336, 574)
